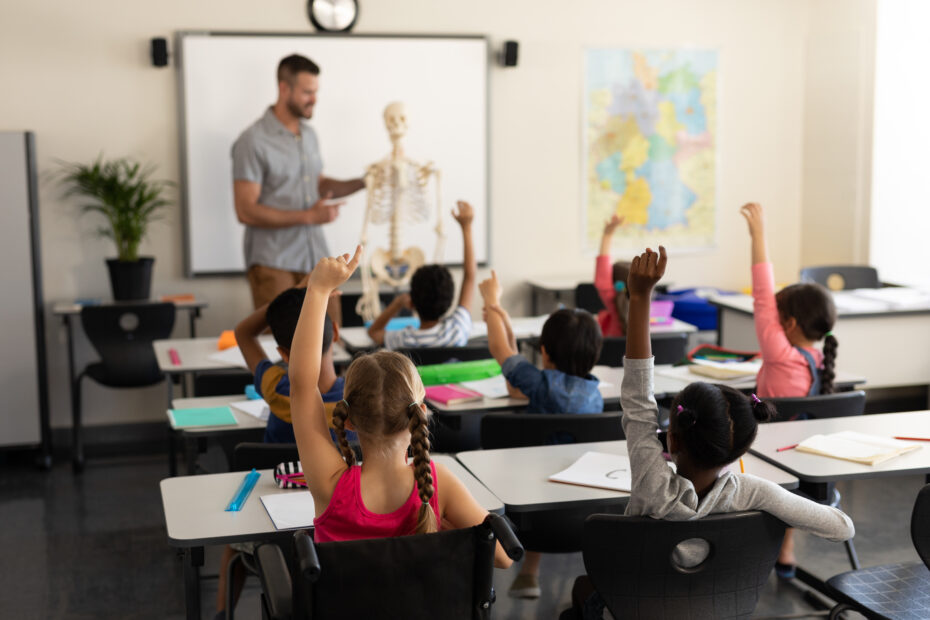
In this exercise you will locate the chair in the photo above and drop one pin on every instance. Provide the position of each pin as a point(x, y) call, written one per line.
point(894, 590)
point(586, 297)
point(842, 277)
point(518, 430)
point(667, 349)
point(347, 302)
point(447, 574)
point(632, 564)
point(424, 356)
point(122, 335)
point(838, 405)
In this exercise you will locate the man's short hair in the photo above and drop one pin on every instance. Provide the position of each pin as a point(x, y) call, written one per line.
point(290, 66)
point(573, 341)
point(282, 315)
point(431, 291)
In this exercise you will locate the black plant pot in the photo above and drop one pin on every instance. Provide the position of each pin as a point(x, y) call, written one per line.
point(131, 280)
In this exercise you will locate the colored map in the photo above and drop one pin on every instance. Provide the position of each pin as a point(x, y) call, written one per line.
point(650, 142)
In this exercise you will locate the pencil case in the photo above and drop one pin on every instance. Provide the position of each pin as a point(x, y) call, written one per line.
point(289, 475)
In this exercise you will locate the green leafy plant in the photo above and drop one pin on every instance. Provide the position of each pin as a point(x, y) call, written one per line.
point(124, 193)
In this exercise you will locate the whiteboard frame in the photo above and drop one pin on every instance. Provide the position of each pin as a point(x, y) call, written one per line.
point(183, 144)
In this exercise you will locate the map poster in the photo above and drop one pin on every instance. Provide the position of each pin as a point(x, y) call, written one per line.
point(649, 153)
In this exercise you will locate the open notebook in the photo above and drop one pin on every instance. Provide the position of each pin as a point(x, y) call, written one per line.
point(597, 469)
point(856, 447)
point(291, 510)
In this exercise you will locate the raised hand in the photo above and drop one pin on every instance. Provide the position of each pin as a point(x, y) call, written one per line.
point(465, 213)
point(491, 290)
point(752, 211)
point(645, 270)
point(331, 272)
point(612, 224)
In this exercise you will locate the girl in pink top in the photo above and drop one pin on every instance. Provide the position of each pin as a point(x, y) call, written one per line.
point(383, 402)
point(610, 282)
point(787, 326)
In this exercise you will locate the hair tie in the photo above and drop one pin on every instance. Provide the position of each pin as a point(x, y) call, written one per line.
point(755, 400)
point(346, 402)
point(686, 418)
point(829, 333)
point(619, 286)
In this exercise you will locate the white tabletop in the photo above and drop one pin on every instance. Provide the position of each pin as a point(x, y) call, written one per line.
point(851, 303)
point(73, 307)
point(520, 476)
point(815, 468)
point(243, 420)
point(555, 284)
point(195, 506)
point(195, 353)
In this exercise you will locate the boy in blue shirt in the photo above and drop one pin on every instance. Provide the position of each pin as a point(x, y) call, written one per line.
point(570, 345)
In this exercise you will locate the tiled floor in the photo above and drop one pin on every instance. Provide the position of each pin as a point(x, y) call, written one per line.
point(94, 546)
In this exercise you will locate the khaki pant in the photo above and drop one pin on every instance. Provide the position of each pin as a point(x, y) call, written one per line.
point(268, 282)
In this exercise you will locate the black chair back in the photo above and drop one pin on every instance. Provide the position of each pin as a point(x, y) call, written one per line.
point(842, 277)
point(247, 455)
point(448, 574)
point(122, 335)
point(634, 565)
point(425, 356)
point(347, 302)
point(586, 297)
point(920, 524)
point(518, 430)
point(667, 349)
point(838, 405)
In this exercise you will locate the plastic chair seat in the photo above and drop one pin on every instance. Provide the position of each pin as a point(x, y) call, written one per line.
point(99, 373)
point(889, 591)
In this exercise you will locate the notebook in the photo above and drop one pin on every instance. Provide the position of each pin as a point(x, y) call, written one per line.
point(202, 416)
point(290, 511)
point(255, 408)
point(452, 394)
point(600, 470)
point(725, 370)
point(856, 447)
point(492, 387)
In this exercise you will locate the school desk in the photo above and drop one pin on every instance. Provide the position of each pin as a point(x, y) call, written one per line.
point(248, 427)
point(889, 347)
point(195, 516)
point(519, 477)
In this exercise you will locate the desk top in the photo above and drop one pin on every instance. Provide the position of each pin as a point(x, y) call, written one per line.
point(520, 476)
point(195, 515)
point(243, 420)
point(856, 303)
point(195, 354)
point(815, 468)
point(72, 307)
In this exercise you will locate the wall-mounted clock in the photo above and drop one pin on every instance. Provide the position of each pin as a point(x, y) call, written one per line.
point(333, 15)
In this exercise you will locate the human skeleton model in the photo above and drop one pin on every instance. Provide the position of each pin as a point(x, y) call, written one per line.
point(396, 194)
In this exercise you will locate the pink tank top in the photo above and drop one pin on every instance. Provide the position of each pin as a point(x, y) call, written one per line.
point(346, 517)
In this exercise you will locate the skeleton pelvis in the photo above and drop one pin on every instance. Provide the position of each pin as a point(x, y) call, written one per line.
point(396, 271)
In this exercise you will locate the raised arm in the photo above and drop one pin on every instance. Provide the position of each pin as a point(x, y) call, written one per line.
point(251, 213)
point(645, 270)
point(321, 460)
point(338, 189)
point(376, 330)
point(752, 211)
point(498, 342)
point(465, 216)
point(610, 226)
point(247, 333)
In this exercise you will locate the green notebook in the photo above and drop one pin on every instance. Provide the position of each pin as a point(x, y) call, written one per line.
point(202, 416)
point(455, 372)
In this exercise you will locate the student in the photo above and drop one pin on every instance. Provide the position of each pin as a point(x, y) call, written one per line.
point(787, 326)
point(610, 282)
point(431, 292)
point(570, 345)
point(384, 403)
point(711, 427)
point(271, 381)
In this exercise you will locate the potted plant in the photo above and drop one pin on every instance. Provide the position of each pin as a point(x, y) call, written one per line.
point(124, 193)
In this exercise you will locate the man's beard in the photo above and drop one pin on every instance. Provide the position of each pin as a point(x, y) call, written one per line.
point(299, 112)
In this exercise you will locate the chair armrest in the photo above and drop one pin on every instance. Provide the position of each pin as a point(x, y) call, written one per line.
point(276, 581)
point(505, 535)
point(306, 556)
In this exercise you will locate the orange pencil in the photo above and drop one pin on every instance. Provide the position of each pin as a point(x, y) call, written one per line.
point(742, 467)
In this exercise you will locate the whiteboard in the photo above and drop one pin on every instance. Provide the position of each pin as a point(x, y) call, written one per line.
point(227, 81)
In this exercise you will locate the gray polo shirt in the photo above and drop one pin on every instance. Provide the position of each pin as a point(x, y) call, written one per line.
point(288, 167)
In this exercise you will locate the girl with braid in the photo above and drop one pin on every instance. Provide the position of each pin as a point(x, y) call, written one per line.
point(383, 403)
point(788, 324)
point(711, 426)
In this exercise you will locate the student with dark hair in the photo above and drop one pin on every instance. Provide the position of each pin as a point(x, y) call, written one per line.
point(610, 282)
point(788, 325)
point(431, 294)
point(711, 427)
point(570, 345)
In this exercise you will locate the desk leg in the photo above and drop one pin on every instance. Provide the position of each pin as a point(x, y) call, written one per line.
point(190, 454)
point(193, 560)
point(719, 326)
point(193, 315)
point(534, 301)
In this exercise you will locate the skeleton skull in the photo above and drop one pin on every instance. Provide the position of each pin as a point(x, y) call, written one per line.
point(395, 119)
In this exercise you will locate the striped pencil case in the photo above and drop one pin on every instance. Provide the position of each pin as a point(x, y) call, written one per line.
point(289, 475)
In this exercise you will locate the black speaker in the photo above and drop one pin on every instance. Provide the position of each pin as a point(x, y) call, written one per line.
point(160, 52)
point(509, 55)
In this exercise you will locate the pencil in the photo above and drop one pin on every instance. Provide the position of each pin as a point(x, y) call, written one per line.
point(786, 448)
point(742, 467)
point(913, 438)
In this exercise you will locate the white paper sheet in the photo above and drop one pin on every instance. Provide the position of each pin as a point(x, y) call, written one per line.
point(233, 356)
point(290, 511)
point(857, 447)
point(492, 387)
point(597, 469)
point(257, 408)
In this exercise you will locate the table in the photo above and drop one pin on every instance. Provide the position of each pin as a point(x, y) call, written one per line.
point(562, 290)
point(195, 516)
point(874, 343)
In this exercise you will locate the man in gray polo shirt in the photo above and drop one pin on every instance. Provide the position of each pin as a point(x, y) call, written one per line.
point(280, 192)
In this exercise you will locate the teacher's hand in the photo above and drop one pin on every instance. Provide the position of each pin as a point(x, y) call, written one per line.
point(324, 210)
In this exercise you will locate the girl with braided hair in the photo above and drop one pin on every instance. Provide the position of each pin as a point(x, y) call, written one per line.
point(383, 403)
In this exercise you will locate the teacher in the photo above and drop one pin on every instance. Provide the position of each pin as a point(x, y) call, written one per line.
point(281, 194)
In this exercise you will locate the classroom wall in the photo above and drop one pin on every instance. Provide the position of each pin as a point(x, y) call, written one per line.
point(81, 79)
